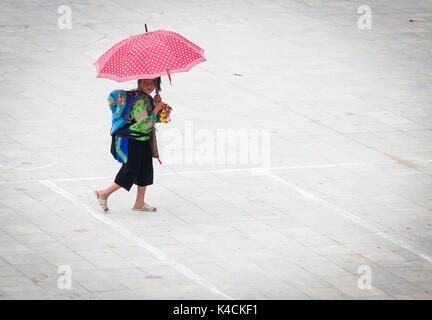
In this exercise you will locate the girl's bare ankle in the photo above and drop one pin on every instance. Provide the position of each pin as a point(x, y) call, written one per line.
point(139, 204)
point(102, 195)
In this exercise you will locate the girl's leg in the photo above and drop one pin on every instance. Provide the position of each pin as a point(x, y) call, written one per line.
point(105, 193)
point(139, 202)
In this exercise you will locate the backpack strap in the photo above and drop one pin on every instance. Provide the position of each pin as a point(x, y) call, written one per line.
point(124, 133)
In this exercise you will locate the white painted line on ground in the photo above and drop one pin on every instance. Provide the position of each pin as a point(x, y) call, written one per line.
point(258, 169)
point(141, 242)
point(298, 190)
point(352, 217)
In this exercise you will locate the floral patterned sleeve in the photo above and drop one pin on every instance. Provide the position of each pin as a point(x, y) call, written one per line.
point(142, 118)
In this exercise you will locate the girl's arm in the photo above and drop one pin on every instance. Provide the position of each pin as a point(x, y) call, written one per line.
point(158, 116)
point(161, 112)
point(143, 119)
point(146, 120)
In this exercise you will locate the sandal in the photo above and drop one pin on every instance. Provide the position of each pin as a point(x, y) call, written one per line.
point(102, 202)
point(145, 207)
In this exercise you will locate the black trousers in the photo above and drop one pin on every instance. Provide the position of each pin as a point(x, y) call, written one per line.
point(139, 167)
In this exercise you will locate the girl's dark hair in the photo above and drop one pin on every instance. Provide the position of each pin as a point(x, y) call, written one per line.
point(157, 81)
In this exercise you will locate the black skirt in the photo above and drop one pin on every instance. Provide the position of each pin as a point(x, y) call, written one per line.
point(139, 166)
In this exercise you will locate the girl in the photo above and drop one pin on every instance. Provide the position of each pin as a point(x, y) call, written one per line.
point(132, 147)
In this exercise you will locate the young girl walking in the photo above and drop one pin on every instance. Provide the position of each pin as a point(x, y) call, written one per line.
point(134, 114)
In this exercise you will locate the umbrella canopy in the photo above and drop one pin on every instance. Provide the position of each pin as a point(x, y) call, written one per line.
point(148, 56)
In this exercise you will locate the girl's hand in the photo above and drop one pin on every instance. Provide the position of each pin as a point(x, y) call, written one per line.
point(157, 98)
point(158, 104)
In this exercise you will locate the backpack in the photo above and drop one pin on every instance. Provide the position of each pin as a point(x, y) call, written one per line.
point(125, 132)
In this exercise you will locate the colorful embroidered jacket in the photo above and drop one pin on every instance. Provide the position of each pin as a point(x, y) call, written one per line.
point(126, 105)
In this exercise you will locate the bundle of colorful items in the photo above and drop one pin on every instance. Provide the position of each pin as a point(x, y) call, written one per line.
point(165, 113)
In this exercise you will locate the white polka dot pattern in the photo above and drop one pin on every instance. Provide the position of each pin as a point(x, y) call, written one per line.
point(149, 55)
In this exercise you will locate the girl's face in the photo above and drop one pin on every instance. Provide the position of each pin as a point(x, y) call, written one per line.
point(147, 85)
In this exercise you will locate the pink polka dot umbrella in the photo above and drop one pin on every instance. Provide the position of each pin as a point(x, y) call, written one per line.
point(148, 56)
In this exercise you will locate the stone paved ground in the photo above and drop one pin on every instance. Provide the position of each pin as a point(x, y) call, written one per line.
point(341, 200)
